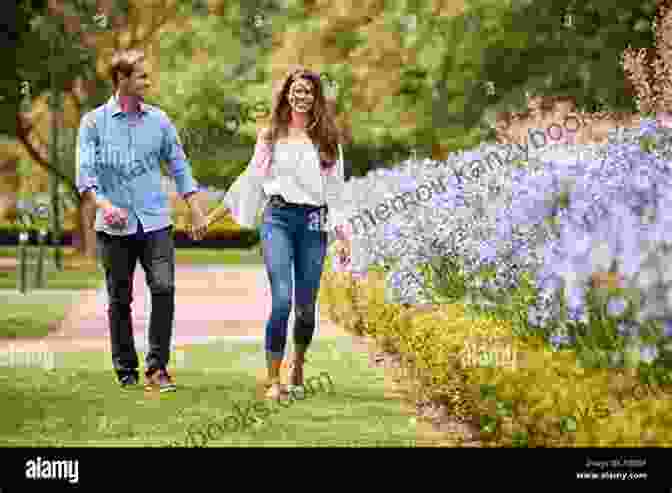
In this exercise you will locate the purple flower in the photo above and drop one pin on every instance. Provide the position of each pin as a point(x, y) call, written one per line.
point(648, 353)
point(559, 340)
point(576, 298)
point(577, 314)
point(488, 252)
point(407, 184)
point(391, 232)
point(667, 328)
point(628, 329)
point(616, 307)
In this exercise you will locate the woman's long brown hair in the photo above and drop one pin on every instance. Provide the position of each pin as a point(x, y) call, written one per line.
point(322, 128)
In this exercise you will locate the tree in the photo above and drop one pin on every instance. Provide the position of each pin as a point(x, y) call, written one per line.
point(545, 48)
point(83, 56)
point(649, 70)
point(215, 83)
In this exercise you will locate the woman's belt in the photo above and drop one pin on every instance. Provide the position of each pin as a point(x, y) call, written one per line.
point(280, 202)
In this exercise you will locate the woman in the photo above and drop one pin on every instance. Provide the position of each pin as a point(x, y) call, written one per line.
point(295, 174)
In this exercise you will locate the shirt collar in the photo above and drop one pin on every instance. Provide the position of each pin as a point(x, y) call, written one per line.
point(114, 103)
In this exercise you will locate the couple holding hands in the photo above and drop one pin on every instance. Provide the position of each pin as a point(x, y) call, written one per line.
point(294, 176)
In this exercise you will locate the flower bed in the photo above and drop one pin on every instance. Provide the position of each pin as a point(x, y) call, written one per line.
point(564, 253)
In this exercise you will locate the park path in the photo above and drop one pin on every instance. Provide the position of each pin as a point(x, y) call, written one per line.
point(212, 302)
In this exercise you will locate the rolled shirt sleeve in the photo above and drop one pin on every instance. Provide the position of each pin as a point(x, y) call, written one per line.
point(86, 168)
point(173, 154)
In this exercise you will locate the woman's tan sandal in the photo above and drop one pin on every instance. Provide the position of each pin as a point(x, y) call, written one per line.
point(275, 391)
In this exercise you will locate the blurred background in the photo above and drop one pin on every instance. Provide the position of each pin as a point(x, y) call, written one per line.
point(422, 78)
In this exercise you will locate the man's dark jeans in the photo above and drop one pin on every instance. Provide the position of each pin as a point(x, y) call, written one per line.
point(119, 254)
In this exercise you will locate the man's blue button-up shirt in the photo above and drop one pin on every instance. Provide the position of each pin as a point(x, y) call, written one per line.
point(118, 156)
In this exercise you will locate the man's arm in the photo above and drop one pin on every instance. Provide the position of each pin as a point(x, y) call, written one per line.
point(173, 154)
point(86, 169)
point(178, 165)
point(191, 198)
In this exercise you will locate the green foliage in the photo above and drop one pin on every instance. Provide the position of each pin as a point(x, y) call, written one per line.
point(568, 424)
point(444, 280)
point(536, 47)
point(202, 98)
point(517, 47)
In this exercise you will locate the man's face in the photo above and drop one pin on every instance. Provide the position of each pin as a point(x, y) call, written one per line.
point(301, 96)
point(137, 84)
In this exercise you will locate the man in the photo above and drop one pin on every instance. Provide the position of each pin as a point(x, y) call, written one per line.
point(120, 146)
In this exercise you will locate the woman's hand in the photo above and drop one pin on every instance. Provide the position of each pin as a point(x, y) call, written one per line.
point(216, 214)
point(343, 250)
point(199, 224)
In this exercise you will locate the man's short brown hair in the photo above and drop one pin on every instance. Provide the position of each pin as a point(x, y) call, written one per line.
point(123, 63)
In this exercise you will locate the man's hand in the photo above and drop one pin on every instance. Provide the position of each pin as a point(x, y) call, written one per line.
point(199, 221)
point(115, 216)
point(199, 224)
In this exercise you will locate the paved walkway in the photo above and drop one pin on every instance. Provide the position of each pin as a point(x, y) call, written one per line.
point(212, 302)
point(7, 262)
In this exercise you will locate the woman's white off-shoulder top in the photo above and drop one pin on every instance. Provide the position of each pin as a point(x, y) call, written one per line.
point(295, 174)
point(292, 170)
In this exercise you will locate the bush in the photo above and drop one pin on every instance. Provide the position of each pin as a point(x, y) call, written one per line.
point(538, 398)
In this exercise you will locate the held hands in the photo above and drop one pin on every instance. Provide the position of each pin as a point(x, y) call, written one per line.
point(199, 224)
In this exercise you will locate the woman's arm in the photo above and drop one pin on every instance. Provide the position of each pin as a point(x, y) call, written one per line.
point(340, 230)
point(243, 196)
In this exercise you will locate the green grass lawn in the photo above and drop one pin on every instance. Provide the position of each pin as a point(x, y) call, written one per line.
point(33, 315)
point(54, 279)
point(78, 403)
point(10, 251)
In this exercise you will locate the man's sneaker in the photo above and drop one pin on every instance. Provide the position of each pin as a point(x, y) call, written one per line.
point(161, 379)
point(128, 381)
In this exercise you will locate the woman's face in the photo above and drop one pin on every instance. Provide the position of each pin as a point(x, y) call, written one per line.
point(301, 96)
